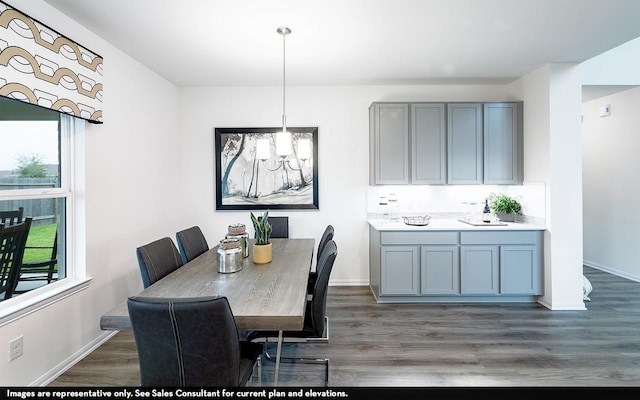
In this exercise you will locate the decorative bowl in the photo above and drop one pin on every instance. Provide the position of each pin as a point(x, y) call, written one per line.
point(419, 220)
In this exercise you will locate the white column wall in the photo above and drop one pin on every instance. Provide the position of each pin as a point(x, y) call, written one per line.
point(564, 216)
point(552, 148)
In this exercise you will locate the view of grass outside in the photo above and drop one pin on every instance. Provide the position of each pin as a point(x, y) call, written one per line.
point(40, 236)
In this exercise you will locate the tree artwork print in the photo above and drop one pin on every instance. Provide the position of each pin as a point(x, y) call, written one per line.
point(250, 173)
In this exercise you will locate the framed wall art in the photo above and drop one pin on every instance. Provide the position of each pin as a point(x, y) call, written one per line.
point(260, 168)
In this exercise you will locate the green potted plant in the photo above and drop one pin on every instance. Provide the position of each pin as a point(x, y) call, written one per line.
point(262, 245)
point(505, 207)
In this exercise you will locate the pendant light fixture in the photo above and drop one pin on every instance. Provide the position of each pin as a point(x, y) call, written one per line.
point(283, 139)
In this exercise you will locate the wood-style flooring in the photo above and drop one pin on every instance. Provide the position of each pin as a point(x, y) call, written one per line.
point(443, 345)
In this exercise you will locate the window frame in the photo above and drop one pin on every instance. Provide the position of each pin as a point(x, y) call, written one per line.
point(71, 181)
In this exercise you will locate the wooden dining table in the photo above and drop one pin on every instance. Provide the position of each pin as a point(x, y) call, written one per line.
point(262, 296)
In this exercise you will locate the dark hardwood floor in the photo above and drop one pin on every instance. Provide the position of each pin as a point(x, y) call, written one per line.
point(443, 345)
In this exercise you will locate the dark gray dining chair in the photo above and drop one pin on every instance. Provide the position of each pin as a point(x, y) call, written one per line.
point(191, 342)
point(13, 239)
point(316, 328)
point(326, 236)
point(191, 243)
point(279, 225)
point(157, 260)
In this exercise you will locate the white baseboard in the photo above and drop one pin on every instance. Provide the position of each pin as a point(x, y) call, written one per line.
point(612, 271)
point(61, 368)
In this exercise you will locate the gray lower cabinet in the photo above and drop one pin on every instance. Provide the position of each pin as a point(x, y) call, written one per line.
point(479, 270)
point(419, 266)
point(399, 270)
point(519, 269)
point(439, 272)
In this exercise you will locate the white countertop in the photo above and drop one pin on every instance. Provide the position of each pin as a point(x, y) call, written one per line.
point(450, 225)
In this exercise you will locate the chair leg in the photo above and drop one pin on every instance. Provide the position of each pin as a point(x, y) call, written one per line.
point(259, 371)
point(303, 360)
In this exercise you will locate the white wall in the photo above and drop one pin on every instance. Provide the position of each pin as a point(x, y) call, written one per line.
point(341, 115)
point(611, 185)
point(611, 188)
point(132, 197)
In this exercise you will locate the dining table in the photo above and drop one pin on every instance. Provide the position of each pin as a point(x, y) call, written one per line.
point(269, 296)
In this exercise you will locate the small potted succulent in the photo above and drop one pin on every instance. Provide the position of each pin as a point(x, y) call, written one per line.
point(505, 207)
point(262, 245)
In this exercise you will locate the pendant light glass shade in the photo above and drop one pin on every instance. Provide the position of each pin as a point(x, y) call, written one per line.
point(263, 151)
point(304, 149)
point(283, 144)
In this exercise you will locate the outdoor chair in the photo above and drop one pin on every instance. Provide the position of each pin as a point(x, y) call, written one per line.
point(13, 239)
point(11, 217)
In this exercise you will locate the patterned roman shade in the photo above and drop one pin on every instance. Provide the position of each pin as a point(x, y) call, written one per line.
point(40, 66)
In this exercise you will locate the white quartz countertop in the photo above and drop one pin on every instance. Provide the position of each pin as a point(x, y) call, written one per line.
point(451, 225)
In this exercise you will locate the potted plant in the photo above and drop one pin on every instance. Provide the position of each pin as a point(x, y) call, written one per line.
point(262, 245)
point(505, 207)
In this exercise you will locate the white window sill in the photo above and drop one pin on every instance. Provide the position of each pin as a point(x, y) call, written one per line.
point(32, 301)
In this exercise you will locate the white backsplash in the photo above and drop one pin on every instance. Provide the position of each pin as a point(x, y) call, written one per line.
point(457, 200)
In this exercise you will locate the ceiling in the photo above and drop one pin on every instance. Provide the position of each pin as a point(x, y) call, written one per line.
point(355, 42)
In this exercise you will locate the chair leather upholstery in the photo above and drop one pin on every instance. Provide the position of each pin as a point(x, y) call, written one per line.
point(191, 243)
point(190, 342)
point(279, 225)
point(157, 259)
point(326, 236)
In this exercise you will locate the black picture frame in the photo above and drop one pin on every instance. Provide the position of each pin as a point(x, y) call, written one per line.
point(244, 182)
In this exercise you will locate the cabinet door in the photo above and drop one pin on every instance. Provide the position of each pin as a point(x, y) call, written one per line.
point(399, 275)
point(464, 140)
point(502, 143)
point(519, 269)
point(479, 269)
point(428, 143)
point(439, 270)
point(389, 141)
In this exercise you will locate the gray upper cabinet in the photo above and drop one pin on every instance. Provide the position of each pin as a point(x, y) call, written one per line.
point(464, 134)
point(389, 143)
point(428, 143)
point(502, 143)
point(432, 143)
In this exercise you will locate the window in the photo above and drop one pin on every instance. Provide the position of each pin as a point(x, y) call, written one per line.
point(36, 177)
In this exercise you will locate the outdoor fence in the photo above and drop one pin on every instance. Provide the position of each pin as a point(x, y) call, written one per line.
point(43, 211)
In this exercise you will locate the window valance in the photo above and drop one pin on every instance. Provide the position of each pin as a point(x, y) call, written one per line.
point(40, 66)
